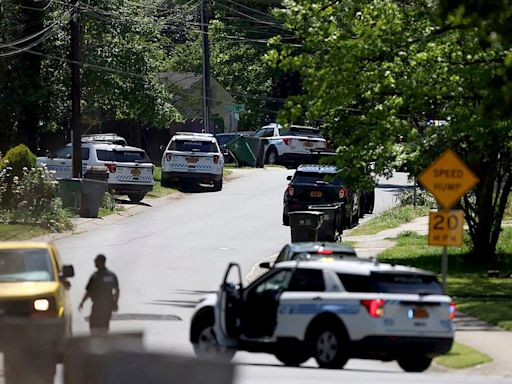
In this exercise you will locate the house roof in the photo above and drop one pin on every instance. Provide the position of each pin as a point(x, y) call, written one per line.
point(185, 80)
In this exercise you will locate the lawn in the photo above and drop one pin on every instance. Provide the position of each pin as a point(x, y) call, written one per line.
point(489, 299)
point(391, 218)
point(158, 190)
point(15, 232)
point(462, 356)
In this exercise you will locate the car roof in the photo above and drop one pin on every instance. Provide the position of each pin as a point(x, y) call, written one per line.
point(351, 266)
point(308, 247)
point(207, 137)
point(315, 168)
point(23, 244)
point(115, 147)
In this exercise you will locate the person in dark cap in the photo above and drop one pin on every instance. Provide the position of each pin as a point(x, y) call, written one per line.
point(103, 290)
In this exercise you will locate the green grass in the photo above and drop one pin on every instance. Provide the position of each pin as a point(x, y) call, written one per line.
point(462, 356)
point(15, 232)
point(488, 299)
point(508, 210)
point(390, 219)
point(158, 190)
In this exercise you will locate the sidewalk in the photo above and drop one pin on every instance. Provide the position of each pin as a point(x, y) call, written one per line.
point(486, 338)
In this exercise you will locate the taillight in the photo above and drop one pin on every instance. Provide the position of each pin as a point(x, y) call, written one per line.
point(216, 159)
point(290, 190)
point(375, 307)
point(343, 193)
point(168, 156)
point(286, 140)
point(323, 251)
point(452, 311)
point(111, 168)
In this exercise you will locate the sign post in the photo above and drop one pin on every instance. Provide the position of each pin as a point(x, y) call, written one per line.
point(448, 179)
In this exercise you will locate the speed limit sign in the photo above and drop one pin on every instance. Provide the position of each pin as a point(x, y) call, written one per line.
point(446, 228)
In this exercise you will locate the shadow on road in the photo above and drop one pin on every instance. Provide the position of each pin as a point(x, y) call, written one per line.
point(176, 303)
point(318, 368)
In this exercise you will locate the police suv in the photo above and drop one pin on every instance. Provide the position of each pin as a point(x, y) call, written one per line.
point(193, 157)
point(331, 310)
point(294, 145)
point(130, 171)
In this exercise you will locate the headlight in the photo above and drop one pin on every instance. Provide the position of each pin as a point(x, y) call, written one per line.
point(41, 305)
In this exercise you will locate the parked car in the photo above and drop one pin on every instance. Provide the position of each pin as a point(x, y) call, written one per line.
point(130, 172)
point(321, 184)
point(331, 310)
point(291, 146)
point(193, 157)
point(315, 250)
point(223, 139)
point(35, 310)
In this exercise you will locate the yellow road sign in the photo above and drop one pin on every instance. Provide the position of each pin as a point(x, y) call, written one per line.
point(448, 178)
point(446, 228)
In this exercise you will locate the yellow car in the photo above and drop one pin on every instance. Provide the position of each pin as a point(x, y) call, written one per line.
point(35, 312)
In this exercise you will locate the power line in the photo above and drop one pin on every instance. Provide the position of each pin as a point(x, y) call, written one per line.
point(249, 8)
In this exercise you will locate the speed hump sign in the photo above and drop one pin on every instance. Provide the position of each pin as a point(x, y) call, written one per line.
point(446, 228)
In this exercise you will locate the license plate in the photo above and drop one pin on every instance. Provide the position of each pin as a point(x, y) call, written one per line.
point(136, 172)
point(192, 160)
point(307, 144)
point(315, 194)
point(417, 313)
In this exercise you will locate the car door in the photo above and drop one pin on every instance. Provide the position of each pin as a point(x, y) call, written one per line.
point(61, 162)
point(229, 300)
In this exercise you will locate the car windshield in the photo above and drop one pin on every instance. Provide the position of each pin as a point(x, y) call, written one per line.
point(124, 156)
point(25, 265)
point(313, 177)
point(192, 146)
point(300, 131)
point(326, 256)
point(383, 282)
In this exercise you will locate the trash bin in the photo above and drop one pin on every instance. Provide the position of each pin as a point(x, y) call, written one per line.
point(69, 193)
point(257, 149)
point(91, 197)
point(96, 173)
point(242, 151)
point(331, 220)
point(304, 225)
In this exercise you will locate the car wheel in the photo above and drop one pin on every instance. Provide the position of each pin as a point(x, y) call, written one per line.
point(207, 347)
point(272, 156)
point(136, 197)
point(286, 219)
point(362, 205)
point(414, 363)
point(292, 358)
point(355, 218)
point(217, 185)
point(329, 347)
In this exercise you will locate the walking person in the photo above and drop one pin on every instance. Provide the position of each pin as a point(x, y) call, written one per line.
point(103, 290)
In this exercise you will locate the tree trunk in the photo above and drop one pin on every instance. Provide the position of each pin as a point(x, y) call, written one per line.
point(484, 211)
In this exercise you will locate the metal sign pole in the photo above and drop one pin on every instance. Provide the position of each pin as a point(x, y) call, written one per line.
point(444, 267)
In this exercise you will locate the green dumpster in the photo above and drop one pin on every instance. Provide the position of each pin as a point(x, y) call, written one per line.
point(242, 152)
point(69, 192)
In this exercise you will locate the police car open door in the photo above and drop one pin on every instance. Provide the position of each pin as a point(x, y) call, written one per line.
point(230, 294)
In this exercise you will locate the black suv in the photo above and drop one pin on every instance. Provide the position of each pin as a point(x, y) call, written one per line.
point(321, 184)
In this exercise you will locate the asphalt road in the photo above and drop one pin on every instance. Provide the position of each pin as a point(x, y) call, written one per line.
point(166, 258)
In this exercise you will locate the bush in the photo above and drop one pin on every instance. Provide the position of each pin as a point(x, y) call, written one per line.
point(423, 198)
point(109, 202)
point(19, 158)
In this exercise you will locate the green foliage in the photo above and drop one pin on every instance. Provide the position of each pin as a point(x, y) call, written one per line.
point(462, 356)
point(19, 158)
point(373, 70)
point(423, 198)
point(391, 218)
point(109, 202)
point(32, 200)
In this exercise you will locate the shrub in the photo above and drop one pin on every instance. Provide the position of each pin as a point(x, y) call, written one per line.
point(423, 198)
point(19, 158)
point(109, 202)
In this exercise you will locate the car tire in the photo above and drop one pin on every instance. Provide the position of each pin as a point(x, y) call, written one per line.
point(165, 182)
point(286, 219)
point(217, 185)
point(355, 218)
point(136, 197)
point(206, 345)
point(272, 156)
point(292, 358)
point(329, 346)
point(363, 205)
point(371, 202)
point(414, 363)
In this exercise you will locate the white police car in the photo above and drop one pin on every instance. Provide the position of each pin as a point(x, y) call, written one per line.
point(130, 171)
point(294, 145)
point(331, 310)
point(193, 157)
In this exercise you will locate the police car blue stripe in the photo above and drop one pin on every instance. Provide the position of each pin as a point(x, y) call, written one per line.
point(311, 309)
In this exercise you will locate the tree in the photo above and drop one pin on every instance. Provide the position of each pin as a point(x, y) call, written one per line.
point(373, 70)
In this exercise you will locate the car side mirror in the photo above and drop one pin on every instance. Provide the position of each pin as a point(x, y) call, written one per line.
point(265, 265)
point(289, 177)
point(67, 271)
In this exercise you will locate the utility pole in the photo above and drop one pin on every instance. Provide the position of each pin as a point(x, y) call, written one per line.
point(75, 90)
point(207, 91)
